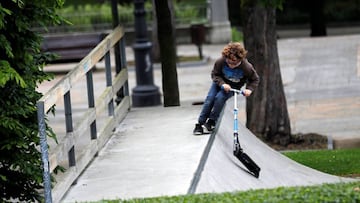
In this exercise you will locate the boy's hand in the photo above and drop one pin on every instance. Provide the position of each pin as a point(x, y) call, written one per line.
point(247, 92)
point(226, 87)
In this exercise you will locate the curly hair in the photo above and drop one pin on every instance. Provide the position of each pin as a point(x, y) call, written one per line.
point(234, 51)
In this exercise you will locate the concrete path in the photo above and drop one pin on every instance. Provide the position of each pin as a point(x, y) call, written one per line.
point(154, 153)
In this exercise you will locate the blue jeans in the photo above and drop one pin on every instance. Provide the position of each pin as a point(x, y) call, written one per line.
point(214, 103)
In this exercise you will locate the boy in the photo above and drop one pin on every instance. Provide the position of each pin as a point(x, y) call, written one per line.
point(232, 70)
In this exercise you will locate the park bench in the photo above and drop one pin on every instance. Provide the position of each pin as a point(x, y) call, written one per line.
point(71, 47)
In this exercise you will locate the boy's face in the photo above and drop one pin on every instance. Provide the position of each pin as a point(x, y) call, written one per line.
point(233, 63)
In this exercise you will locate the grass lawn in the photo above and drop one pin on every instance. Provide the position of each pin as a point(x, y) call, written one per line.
point(342, 162)
point(341, 192)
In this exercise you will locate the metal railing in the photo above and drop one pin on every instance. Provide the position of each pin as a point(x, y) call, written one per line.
point(82, 140)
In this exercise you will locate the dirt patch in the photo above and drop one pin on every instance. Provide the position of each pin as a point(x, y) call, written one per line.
point(309, 141)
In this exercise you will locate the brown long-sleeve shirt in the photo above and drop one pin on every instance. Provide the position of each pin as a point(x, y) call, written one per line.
point(236, 77)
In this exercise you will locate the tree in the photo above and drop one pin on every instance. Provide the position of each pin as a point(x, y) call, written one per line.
point(21, 70)
point(234, 14)
point(267, 113)
point(317, 17)
point(166, 39)
point(315, 10)
point(155, 50)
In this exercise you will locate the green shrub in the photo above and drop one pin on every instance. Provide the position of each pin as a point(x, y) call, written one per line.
point(21, 64)
point(186, 12)
point(89, 16)
point(236, 35)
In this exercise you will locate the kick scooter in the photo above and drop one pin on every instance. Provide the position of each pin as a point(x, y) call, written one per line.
point(237, 150)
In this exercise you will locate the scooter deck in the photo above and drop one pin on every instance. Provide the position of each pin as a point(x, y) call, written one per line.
point(248, 163)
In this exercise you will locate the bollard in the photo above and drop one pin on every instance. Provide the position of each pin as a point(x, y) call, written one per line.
point(197, 32)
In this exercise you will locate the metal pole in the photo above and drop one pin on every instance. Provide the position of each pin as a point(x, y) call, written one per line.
point(118, 66)
point(115, 23)
point(44, 152)
point(145, 93)
point(91, 101)
point(109, 82)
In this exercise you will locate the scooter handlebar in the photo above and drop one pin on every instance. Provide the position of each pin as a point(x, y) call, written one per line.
point(237, 91)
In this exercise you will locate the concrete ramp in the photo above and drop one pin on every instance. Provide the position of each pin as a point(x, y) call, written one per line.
point(220, 171)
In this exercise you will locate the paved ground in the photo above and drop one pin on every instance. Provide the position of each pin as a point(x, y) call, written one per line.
point(153, 152)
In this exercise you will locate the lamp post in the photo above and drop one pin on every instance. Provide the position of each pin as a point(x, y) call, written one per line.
point(145, 93)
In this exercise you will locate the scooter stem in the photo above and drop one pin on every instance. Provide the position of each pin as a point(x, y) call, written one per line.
point(237, 147)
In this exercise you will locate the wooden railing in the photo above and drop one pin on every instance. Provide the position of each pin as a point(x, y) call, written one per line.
point(70, 152)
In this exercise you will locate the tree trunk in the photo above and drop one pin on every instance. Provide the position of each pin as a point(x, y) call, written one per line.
point(317, 18)
point(234, 14)
point(168, 53)
point(155, 50)
point(267, 113)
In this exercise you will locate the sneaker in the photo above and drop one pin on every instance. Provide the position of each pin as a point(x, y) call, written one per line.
point(210, 125)
point(198, 129)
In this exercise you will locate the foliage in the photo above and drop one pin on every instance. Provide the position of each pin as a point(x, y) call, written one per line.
point(21, 64)
point(336, 162)
point(278, 4)
point(272, 3)
point(186, 13)
point(342, 11)
point(236, 35)
point(294, 12)
point(92, 16)
point(297, 12)
point(341, 192)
